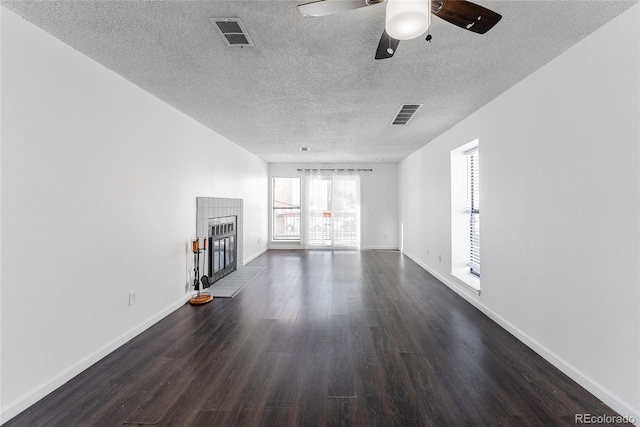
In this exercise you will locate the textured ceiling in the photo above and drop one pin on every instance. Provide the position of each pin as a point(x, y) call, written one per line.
point(313, 82)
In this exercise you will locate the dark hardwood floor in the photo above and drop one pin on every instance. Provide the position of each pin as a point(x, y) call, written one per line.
point(333, 338)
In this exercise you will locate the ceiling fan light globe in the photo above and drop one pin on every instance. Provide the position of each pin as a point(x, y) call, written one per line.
point(407, 27)
point(407, 19)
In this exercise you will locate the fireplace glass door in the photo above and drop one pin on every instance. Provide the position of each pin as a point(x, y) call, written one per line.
point(222, 241)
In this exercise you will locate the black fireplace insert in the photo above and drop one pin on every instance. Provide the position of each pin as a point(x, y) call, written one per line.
point(223, 247)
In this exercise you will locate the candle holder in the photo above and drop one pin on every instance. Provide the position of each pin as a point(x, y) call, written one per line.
point(200, 297)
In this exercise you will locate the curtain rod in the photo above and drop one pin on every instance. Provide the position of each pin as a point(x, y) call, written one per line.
point(354, 170)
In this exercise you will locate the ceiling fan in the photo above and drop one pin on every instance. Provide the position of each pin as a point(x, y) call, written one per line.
point(408, 19)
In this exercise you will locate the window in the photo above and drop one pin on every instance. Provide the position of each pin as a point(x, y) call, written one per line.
point(286, 209)
point(473, 197)
point(465, 215)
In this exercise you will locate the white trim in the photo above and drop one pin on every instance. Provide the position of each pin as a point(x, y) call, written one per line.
point(254, 256)
point(296, 247)
point(608, 397)
point(285, 245)
point(469, 280)
point(379, 248)
point(468, 147)
point(37, 393)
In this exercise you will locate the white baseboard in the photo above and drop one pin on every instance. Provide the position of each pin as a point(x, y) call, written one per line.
point(379, 248)
point(254, 256)
point(287, 246)
point(35, 394)
point(619, 405)
point(296, 246)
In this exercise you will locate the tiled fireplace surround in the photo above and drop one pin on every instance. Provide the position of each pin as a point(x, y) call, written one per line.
point(215, 207)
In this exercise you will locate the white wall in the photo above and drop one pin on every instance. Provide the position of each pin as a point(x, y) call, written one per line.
point(99, 187)
point(560, 196)
point(379, 190)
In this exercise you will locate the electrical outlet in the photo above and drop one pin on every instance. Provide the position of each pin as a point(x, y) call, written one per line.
point(427, 252)
point(439, 258)
point(132, 298)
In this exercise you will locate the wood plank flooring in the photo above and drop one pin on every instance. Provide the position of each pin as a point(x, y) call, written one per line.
point(322, 338)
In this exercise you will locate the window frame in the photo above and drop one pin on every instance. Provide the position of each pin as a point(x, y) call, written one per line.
point(461, 218)
point(281, 238)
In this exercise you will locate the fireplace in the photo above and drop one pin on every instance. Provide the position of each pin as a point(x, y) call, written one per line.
point(223, 252)
point(220, 220)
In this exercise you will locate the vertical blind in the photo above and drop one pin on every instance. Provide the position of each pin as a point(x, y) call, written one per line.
point(473, 197)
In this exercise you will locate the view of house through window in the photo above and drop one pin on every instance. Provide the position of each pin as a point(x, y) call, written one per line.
point(286, 209)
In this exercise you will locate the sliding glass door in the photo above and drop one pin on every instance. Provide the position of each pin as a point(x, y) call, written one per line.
point(331, 210)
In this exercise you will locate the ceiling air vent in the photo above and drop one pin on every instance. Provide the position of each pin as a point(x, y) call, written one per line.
point(405, 114)
point(232, 31)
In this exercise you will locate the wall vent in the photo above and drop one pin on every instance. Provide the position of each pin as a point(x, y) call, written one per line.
point(233, 31)
point(305, 149)
point(405, 114)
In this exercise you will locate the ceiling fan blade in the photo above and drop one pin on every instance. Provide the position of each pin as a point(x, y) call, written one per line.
point(387, 46)
point(329, 7)
point(467, 15)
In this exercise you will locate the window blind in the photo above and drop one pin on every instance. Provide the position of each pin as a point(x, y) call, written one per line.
point(473, 198)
